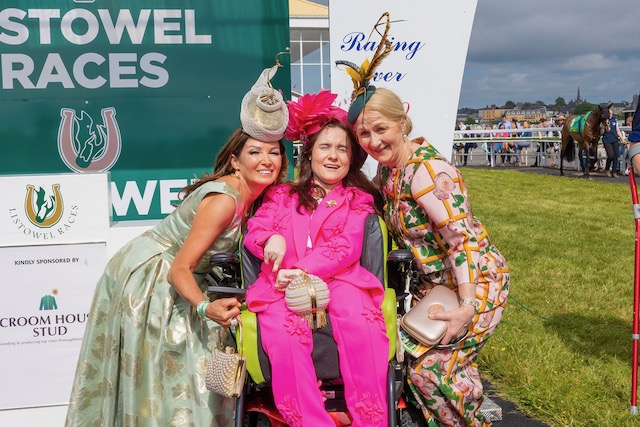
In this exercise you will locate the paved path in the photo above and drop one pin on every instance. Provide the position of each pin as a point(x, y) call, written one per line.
point(511, 417)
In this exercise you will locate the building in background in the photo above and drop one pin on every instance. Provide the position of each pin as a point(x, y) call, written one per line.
point(310, 59)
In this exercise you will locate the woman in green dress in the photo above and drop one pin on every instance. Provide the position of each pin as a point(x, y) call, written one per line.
point(149, 331)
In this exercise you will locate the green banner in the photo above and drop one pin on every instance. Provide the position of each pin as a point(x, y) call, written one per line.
point(146, 90)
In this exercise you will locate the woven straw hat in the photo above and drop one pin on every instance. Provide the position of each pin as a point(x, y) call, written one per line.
point(263, 113)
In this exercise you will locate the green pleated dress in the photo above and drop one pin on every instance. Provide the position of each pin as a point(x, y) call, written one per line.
point(142, 361)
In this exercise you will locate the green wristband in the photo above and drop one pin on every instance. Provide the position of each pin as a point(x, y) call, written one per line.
point(202, 309)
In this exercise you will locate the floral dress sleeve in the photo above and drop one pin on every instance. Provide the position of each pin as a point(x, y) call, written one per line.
point(268, 220)
point(440, 190)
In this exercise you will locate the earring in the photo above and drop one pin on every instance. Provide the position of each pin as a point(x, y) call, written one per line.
point(236, 173)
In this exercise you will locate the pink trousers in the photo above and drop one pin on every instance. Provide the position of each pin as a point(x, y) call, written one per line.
point(363, 348)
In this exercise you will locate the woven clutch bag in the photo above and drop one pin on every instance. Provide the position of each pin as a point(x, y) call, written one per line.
point(308, 296)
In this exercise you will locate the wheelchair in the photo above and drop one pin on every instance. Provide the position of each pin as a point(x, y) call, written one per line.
point(395, 270)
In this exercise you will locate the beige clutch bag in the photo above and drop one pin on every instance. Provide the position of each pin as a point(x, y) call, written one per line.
point(417, 323)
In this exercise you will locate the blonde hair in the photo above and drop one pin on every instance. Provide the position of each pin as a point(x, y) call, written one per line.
point(389, 105)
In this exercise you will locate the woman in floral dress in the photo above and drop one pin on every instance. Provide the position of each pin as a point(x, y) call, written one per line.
point(427, 210)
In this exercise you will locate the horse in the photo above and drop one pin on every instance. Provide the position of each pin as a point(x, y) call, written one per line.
point(595, 123)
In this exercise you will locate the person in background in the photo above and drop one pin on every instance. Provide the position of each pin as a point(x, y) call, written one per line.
point(505, 122)
point(560, 123)
point(316, 225)
point(623, 155)
point(501, 147)
point(611, 139)
point(634, 140)
point(459, 146)
point(601, 157)
point(541, 144)
point(522, 143)
point(151, 325)
point(468, 146)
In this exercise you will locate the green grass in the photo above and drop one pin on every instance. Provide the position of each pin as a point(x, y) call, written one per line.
point(562, 352)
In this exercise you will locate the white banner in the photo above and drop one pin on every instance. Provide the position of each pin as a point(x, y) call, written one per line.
point(50, 209)
point(426, 67)
point(46, 294)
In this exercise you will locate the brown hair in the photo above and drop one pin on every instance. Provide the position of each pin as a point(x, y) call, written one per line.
point(389, 105)
point(223, 166)
point(304, 186)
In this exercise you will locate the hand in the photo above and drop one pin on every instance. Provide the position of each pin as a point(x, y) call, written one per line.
point(285, 276)
point(223, 310)
point(457, 320)
point(274, 251)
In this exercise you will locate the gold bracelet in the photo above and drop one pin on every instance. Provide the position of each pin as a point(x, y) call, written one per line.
point(472, 302)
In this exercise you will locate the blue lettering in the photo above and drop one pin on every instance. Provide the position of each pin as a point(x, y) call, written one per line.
point(354, 41)
point(388, 76)
point(412, 47)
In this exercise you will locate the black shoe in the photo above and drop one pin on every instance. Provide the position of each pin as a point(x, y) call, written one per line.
point(535, 165)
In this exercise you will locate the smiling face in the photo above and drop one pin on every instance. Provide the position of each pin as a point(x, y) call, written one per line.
point(381, 137)
point(330, 158)
point(259, 163)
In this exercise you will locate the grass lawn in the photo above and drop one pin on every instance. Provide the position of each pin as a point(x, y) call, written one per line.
point(563, 350)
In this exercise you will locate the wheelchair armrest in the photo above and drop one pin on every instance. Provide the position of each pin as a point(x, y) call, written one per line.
point(224, 258)
point(400, 255)
point(226, 292)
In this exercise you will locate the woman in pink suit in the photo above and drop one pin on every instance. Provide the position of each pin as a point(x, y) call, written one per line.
point(316, 224)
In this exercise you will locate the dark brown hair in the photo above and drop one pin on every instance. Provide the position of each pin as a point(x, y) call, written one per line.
point(304, 186)
point(223, 166)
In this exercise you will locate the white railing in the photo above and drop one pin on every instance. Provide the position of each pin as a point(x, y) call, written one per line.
point(547, 143)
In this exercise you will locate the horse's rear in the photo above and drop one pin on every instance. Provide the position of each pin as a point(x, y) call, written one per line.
point(568, 151)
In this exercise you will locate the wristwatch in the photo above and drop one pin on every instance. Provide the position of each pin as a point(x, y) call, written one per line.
point(472, 302)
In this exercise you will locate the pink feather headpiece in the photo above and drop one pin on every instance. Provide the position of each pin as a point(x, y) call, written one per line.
point(309, 113)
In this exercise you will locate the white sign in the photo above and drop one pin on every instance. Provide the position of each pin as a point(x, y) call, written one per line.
point(46, 294)
point(425, 69)
point(47, 209)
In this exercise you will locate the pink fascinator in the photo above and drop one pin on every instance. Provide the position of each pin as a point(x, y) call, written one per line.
point(309, 113)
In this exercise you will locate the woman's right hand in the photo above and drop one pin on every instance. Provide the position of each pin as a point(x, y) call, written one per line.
point(223, 310)
point(274, 250)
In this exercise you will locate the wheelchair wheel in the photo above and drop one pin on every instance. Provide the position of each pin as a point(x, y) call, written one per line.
point(410, 417)
point(256, 419)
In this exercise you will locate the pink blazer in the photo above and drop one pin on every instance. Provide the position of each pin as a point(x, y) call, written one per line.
point(336, 230)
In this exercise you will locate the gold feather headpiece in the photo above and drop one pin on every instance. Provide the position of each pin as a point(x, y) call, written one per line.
point(362, 75)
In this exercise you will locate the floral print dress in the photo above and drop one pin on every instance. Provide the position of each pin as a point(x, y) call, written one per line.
point(452, 247)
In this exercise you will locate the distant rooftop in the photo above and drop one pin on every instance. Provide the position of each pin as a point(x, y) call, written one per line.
point(306, 8)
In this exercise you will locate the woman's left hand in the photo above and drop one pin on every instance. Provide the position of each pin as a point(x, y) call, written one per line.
point(457, 320)
point(285, 276)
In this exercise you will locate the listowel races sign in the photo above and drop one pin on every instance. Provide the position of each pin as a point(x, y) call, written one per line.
point(148, 91)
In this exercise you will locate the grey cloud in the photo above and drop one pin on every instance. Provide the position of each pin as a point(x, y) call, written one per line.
point(528, 51)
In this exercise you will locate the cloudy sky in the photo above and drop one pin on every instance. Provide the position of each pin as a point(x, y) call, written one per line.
point(540, 50)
